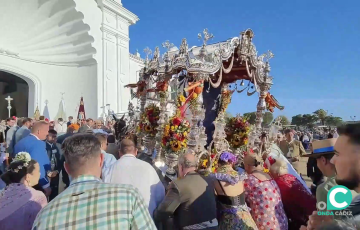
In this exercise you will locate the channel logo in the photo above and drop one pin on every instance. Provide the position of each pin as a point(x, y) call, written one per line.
point(338, 198)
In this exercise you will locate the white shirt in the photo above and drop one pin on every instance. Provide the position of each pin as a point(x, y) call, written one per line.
point(130, 170)
point(60, 127)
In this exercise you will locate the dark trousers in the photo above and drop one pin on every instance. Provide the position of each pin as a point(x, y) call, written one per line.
point(54, 185)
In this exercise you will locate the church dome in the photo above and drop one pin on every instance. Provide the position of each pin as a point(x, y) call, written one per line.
point(47, 31)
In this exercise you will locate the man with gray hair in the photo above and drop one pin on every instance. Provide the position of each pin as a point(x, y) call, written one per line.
point(190, 199)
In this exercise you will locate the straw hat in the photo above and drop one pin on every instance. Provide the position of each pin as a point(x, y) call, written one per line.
point(322, 147)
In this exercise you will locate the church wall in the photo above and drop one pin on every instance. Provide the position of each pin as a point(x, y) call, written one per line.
point(93, 16)
point(136, 64)
point(54, 80)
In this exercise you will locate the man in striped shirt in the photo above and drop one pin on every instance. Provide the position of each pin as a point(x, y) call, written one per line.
point(88, 203)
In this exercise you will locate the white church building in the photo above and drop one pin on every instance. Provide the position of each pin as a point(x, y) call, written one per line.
point(74, 48)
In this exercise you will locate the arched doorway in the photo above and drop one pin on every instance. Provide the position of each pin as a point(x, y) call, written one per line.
point(18, 89)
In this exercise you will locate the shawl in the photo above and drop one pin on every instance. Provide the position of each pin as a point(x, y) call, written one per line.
point(20, 205)
point(227, 174)
point(277, 154)
point(298, 203)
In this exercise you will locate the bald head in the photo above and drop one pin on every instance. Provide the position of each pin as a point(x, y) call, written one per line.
point(40, 129)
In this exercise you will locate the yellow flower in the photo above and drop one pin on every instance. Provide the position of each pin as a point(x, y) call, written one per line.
point(185, 134)
point(176, 146)
point(176, 126)
point(148, 128)
point(266, 170)
point(246, 142)
point(182, 98)
point(204, 163)
point(172, 128)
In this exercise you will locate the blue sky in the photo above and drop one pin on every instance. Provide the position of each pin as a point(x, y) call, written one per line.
point(316, 45)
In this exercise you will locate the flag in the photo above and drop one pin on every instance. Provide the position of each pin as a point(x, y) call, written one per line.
point(81, 114)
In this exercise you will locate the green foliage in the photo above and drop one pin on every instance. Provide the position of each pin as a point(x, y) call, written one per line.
point(251, 117)
point(267, 118)
point(321, 115)
point(297, 120)
point(307, 120)
point(228, 116)
point(333, 121)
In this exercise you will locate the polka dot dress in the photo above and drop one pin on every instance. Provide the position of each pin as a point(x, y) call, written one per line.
point(263, 197)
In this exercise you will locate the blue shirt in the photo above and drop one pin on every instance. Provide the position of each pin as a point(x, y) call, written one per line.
point(109, 160)
point(37, 150)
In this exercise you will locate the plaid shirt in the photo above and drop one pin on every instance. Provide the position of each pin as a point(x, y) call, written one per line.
point(89, 203)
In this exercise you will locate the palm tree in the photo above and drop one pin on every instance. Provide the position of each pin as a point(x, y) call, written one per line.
point(321, 115)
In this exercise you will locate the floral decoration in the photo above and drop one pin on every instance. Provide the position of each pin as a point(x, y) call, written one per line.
point(225, 99)
point(148, 120)
point(205, 164)
point(237, 131)
point(175, 134)
point(22, 156)
point(228, 157)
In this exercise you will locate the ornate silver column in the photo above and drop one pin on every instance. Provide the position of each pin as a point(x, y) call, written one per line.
point(196, 110)
point(161, 122)
point(140, 135)
point(264, 88)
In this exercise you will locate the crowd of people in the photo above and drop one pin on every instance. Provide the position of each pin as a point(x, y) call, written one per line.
point(83, 179)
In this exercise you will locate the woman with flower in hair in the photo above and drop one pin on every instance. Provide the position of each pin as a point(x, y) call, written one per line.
point(263, 196)
point(19, 202)
point(233, 212)
point(298, 210)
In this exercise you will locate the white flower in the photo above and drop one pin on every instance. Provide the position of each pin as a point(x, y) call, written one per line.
point(22, 156)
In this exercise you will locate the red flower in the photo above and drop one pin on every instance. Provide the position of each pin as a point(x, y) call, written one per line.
point(176, 121)
point(178, 137)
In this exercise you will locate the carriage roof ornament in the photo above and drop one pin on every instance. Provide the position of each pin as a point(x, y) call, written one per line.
point(205, 38)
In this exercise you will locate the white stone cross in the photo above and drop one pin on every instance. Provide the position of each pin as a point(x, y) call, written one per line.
point(9, 99)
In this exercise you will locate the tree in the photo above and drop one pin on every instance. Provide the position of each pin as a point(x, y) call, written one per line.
point(321, 115)
point(308, 120)
point(333, 121)
point(297, 120)
point(228, 115)
point(284, 120)
point(251, 117)
point(267, 118)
